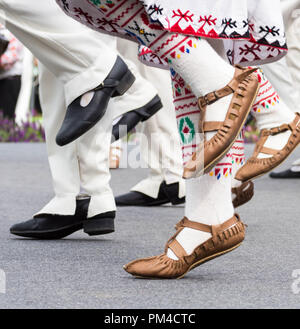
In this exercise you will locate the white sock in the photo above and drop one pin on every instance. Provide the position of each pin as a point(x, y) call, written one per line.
point(86, 98)
point(270, 112)
point(208, 201)
point(205, 71)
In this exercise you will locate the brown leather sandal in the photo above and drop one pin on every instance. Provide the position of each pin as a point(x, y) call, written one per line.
point(244, 194)
point(225, 238)
point(244, 86)
point(255, 167)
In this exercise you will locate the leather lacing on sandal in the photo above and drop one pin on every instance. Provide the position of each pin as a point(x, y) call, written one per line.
point(294, 127)
point(225, 238)
point(243, 194)
point(219, 234)
point(255, 166)
point(244, 87)
point(239, 86)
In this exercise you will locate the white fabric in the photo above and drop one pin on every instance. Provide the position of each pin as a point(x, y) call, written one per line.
point(281, 78)
point(254, 25)
point(83, 163)
point(203, 68)
point(23, 103)
point(293, 57)
point(189, 17)
point(285, 74)
point(285, 78)
point(162, 127)
point(68, 50)
point(208, 201)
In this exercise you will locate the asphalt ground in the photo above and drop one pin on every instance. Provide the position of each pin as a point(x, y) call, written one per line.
point(84, 272)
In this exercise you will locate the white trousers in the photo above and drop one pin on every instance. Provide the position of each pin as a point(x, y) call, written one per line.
point(72, 52)
point(81, 164)
point(285, 74)
point(162, 157)
point(75, 60)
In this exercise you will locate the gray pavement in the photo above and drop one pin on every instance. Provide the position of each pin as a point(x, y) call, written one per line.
point(83, 272)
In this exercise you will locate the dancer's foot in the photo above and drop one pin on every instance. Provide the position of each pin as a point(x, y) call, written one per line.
point(167, 194)
point(243, 194)
point(224, 238)
point(289, 173)
point(133, 118)
point(244, 87)
point(58, 227)
point(88, 109)
point(258, 164)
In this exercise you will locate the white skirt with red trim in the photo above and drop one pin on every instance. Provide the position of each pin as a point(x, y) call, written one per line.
point(252, 30)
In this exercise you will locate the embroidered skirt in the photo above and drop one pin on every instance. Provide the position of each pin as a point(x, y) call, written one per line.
point(252, 30)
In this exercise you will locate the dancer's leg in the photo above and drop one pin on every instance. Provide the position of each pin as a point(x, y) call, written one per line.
point(208, 198)
point(93, 156)
point(280, 132)
point(63, 162)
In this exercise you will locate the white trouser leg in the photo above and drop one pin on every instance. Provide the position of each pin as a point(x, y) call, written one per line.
point(93, 155)
point(81, 163)
point(280, 77)
point(159, 132)
point(62, 160)
point(293, 57)
point(73, 53)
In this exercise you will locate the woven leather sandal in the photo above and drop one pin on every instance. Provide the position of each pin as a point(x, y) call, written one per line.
point(225, 238)
point(255, 167)
point(244, 86)
point(244, 194)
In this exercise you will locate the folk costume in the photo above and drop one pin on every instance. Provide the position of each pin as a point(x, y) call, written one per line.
point(199, 41)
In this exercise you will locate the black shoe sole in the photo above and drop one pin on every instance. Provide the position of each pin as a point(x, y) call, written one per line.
point(154, 203)
point(99, 226)
point(91, 227)
point(288, 174)
point(135, 117)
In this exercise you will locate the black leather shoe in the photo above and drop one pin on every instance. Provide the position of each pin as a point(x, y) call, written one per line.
point(79, 119)
point(134, 117)
point(285, 174)
point(167, 194)
point(58, 227)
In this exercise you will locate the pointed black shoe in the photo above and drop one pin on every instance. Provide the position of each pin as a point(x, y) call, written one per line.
point(134, 117)
point(58, 227)
point(166, 194)
point(79, 119)
point(285, 174)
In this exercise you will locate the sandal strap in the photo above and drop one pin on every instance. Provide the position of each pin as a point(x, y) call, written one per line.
point(177, 249)
point(268, 150)
point(236, 85)
point(243, 193)
point(240, 74)
point(212, 126)
point(294, 127)
point(214, 230)
point(194, 225)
